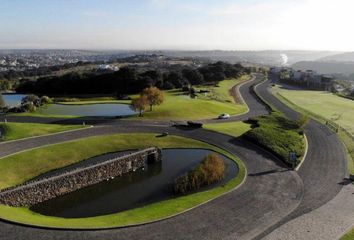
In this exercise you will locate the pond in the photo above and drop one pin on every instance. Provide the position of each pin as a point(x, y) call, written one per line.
point(132, 190)
point(13, 100)
point(89, 110)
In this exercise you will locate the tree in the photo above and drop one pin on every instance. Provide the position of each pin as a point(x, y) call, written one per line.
point(153, 95)
point(2, 102)
point(45, 100)
point(31, 99)
point(140, 104)
point(175, 78)
point(193, 76)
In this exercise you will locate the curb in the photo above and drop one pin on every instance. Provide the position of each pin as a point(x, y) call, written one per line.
point(305, 154)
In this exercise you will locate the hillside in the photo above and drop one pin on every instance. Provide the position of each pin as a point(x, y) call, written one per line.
point(343, 57)
point(345, 68)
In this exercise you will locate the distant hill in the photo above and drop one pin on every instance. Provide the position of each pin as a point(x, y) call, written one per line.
point(343, 57)
point(271, 57)
point(322, 67)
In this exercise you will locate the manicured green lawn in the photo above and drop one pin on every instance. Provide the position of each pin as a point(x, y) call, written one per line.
point(234, 129)
point(222, 92)
point(13, 131)
point(325, 104)
point(178, 106)
point(18, 168)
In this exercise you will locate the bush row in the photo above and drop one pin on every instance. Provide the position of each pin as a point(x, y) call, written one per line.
point(209, 171)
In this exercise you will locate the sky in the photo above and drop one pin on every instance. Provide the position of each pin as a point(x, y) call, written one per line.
point(177, 24)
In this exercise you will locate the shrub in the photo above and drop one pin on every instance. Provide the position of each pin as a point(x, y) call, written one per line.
point(209, 171)
point(28, 107)
point(45, 100)
point(34, 99)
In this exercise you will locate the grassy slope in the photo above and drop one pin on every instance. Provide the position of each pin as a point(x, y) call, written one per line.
point(234, 129)
point(327, 105)
point(277, 134)
point(23, 166)
point(323, 101)
point(15, 131)
point(222, 92)
point(179, 106)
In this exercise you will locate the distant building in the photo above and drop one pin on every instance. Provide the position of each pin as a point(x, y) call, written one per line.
point(309, 78)
point(107, 67)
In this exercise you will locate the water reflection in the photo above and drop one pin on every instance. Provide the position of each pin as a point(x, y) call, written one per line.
point(132, 190)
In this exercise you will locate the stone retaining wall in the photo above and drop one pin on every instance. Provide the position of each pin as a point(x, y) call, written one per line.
point(42, 190)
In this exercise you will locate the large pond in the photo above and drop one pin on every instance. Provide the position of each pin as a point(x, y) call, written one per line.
point(13, 100)
point(132, 190)
point(89, 110)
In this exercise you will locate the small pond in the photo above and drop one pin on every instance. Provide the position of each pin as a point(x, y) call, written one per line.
point(132, 190)
point(13, 100)
point(89, 110)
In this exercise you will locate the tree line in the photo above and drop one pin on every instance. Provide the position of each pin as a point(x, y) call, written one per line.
point(129, 80)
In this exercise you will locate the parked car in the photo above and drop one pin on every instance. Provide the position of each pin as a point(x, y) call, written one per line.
point(224, 116)
point(194, 124)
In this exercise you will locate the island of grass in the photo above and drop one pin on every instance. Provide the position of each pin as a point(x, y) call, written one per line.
point(279, 135)
point(14, 131)
point(324, 106)
point(21, 167)
point(178, 105)
point(234, 129)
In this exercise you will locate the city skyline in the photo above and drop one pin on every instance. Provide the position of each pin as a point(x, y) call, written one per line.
point(177, 25)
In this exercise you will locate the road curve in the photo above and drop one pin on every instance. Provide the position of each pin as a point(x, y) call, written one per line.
point(325, 165)
point(270, 196)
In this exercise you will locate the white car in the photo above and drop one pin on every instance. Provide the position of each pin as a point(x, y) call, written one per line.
point(224, 116)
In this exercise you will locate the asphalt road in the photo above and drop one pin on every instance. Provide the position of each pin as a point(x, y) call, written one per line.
point(270, 196)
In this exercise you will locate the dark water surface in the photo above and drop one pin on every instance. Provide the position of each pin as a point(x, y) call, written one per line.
point(13, 100)
point(88, 110)
point(132, 190)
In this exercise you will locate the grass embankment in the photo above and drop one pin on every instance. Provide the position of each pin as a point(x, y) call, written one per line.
point(210, 170)
point(324, 106)
point(13, 131)
point(278, 134)
point(179, 106)
point(327, 105)
point(222, 92)
point(234, 129)
point(23, 166)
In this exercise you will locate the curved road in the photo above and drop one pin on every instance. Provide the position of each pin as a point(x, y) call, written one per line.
point(270, 196)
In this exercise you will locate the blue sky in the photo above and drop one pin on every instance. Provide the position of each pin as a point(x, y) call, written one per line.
point(173, 24)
